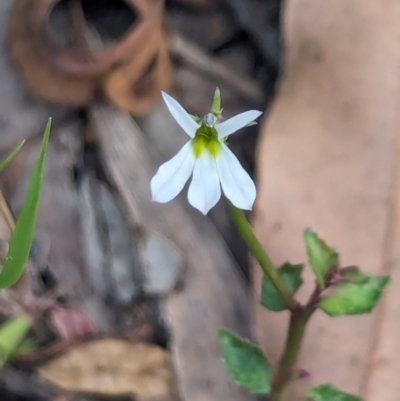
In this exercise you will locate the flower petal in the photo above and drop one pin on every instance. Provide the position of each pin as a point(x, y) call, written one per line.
point(205, 190)
point(171, 177)
point(236, 183)
point(235, 123)
point(181, 116)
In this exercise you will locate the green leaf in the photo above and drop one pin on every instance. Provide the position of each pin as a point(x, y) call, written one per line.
point(12, 333)
point(353, 274)
point(291, 276)
point(358, 294)
point(245, 362)
point(322, 258)
point(22, 237)
point(4, 163)
point(216, 103)
point(326, 392)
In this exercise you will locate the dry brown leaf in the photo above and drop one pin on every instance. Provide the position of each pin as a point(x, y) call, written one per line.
point(37, 73)
point(112, 367)
point(135, 86)
point(92, 53)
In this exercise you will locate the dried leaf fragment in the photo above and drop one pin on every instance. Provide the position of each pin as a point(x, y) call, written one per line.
point(112, 367)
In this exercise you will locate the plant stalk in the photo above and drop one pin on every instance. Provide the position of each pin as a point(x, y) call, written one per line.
point(257, 250)
point(291, 352)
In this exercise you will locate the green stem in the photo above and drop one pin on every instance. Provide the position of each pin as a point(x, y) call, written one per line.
point(246, 231)
point(299, 315)
point(291, 352)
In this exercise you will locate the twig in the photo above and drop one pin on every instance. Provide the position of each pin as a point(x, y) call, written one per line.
point(192, 55)
point(264, 38)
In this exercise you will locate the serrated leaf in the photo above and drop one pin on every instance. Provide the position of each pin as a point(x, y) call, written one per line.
point(354, 298)
point(326, 392)
point(322, 258)
point(245, 362)
point(353, 274)
point(5, 162)
point(22, 236)
point(291, 276)
point(12, 333)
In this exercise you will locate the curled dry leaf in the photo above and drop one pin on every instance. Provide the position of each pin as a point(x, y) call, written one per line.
point(40, 76)
point(112, 367)
point(136, 85)
point(135, 68)
point(98, 45)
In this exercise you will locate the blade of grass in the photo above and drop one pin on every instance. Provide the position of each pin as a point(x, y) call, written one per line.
point(4, 163)
point(12, 332)
point(22, 237)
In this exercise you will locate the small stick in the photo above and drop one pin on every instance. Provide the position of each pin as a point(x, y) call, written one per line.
point(262, 37)
point(192, 55)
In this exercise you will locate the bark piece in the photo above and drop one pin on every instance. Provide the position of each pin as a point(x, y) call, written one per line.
point(326, 161)
point(212, 294)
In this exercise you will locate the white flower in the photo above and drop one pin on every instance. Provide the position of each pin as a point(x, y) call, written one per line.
point(207, 158)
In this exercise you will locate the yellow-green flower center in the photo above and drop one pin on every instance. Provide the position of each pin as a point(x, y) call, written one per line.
point(206, 139)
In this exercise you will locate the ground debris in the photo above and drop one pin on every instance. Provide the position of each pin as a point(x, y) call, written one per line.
point(112, 367)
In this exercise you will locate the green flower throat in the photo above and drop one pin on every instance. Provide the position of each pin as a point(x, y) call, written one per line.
point(206, 137)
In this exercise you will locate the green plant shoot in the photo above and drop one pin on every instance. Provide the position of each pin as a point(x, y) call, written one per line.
point(22, 237)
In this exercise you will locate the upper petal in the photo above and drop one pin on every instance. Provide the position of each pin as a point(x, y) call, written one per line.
point(235, 123)
point(181, 116)
point(236, 183)
point(172, 175)
point(204, 190)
